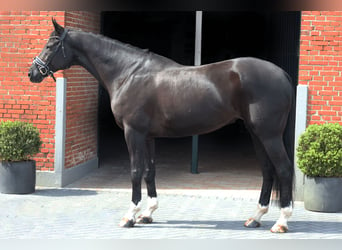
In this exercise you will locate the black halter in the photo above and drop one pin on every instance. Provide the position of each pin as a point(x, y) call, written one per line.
point(42, 66)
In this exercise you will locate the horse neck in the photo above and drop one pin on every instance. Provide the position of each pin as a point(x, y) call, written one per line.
point(110, 61)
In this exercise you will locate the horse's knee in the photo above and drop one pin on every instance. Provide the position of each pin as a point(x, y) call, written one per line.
point(149, 175)
point(136, 176)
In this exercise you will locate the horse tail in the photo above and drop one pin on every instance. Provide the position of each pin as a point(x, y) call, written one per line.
point(288, 139)
point(289, 133)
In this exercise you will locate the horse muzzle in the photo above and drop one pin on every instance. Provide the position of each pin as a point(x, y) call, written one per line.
point(35, 75)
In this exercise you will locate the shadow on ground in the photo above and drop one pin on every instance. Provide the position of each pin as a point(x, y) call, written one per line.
point(294, 226)
point(55, 192)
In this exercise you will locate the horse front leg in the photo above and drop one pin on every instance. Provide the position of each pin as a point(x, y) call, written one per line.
point(149, 177)
point(137, 151)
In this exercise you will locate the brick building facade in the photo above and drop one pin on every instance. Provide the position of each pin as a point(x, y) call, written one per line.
point(320, 66)
point(22, 36)
point(24, 33)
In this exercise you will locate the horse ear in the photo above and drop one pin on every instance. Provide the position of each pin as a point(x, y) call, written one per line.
point(58, 28)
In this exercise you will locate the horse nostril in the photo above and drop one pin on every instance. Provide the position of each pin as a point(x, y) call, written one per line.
point(29, 74)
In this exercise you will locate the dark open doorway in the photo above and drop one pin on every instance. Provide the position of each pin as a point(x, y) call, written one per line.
point(170, 34)
point(225, 35)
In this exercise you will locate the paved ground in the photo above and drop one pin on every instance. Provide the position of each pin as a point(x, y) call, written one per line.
point(211, 205)
point(87, 214)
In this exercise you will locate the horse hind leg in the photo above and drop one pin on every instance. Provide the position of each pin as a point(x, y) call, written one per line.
point(267, 173)
point(149, 177)
point(284, 171)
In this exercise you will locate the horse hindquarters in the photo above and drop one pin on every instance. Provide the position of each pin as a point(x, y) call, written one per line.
point(277, 172)
point(266, 120)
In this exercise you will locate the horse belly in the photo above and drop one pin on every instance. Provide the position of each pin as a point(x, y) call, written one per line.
point(197, 118)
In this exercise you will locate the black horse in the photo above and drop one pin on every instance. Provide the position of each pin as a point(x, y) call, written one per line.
point(153, 96)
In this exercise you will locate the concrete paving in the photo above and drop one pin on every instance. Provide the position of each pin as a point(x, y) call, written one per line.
point(211, 205)
point(71, 213)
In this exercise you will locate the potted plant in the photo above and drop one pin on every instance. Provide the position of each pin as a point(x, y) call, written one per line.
point(319, 157)
point(19, 142)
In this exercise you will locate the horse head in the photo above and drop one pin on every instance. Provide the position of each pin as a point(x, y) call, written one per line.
point(56, 55)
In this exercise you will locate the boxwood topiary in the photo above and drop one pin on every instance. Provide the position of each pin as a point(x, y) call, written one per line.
point(319, 151)
point(19, 141)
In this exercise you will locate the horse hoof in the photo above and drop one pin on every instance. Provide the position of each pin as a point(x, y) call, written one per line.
point(251, 223)
point(126, 223)
point(144, 220)
point(279, 229)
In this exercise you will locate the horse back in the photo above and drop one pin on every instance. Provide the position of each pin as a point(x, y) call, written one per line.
point(184, 100)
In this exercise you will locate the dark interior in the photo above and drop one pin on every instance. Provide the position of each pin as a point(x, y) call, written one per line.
point(225, 35)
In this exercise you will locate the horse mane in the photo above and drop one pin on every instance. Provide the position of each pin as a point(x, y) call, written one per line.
point(111, 43)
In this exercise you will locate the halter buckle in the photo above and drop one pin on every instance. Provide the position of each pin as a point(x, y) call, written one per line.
point(43, 70)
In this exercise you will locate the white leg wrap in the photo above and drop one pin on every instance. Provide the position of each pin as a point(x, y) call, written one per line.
point(285, 214)
point(132, 211)
point(152, 205)
point(261, 210)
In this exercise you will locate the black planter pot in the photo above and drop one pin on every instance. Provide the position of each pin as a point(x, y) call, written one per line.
point(323, 194)
point(17, 177)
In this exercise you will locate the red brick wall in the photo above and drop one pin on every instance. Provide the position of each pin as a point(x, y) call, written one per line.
point(82, 100)
point(22, 36)
point(24, 33)
point(320, 65)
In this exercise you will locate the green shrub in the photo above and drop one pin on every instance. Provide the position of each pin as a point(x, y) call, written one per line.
point(19, 141)
point(319, 151)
